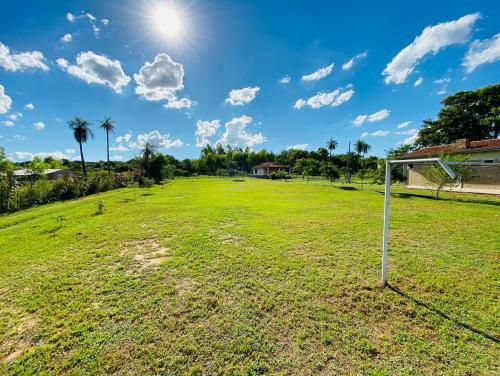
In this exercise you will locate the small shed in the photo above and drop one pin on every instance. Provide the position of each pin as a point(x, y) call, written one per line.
point(267, 168)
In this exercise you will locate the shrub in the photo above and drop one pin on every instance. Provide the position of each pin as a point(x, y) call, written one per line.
point(16, 196)
point(100, 206)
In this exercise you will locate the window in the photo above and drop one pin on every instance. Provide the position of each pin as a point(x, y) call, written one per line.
point(489, 161)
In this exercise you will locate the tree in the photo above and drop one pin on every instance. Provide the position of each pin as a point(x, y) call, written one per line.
point(329, 171)
point(438, 179)
point(108, 125)
point(307, 167)
point(466, 114)
point(6, 166)
point(331, 145)
point(147, 152)
point(51, 162)
point(361, 148)
point(81, 132)
point(36, 168)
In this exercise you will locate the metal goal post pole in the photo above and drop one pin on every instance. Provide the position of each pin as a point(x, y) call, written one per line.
point(385, 239)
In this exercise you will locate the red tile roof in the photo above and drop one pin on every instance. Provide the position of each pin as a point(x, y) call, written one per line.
point(474, 147)
point(271, 164)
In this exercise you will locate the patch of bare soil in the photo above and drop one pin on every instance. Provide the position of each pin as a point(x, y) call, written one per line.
point(220, 232)
point(19, 343)
point(147, 253)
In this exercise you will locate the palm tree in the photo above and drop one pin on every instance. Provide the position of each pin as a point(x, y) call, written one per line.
point(108, 125)
point(147, 151)
point(361, 147)
point(331, 145)
point(81, 132)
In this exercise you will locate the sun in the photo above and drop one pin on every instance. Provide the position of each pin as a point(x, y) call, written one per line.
point(168, 21)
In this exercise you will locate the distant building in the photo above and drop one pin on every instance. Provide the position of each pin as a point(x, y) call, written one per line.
point(265, 169)
point(486, 176)
point(51, 173)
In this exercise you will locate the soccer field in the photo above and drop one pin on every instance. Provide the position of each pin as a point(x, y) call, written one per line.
point(221, 276)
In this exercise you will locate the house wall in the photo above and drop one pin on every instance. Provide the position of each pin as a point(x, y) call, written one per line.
point(486, 178)
point(259, 172)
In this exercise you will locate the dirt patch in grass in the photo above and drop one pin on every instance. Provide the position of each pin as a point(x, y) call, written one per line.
point(184, 285)
point(223, 236)
point(147, 253)
point(19, 343)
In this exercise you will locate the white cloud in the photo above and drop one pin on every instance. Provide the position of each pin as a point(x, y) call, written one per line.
point(7, 123)
point(20, 156)
point(21, 61)
point(375, 134)
point(404, 125)
point(239, 97)
point(121, 140)
point(118, 147)
point(443, 80)
point(418, 81)
point(19, 137)
point(179, 103)
point(157, 139)
point(125, 138)
point(285, 79)
point(29, 106)
point(412, 131)
point(160, 79)
point(97, 69)
point(70, 151)
point(204, 130)
point(237, 135)
point(91, 18)
point(482, 52)
point(115, 157)
point(431, 40)
point(442, 91)
point(5, 101)
point(349, 64)
point(319, 74)
point(334, 99)
point(39, 125)
point(376, 116)
point(298, 147)
point(66, 38)
point(15, 116)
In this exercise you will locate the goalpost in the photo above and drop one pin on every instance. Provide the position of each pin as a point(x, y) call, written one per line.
point(388, 164)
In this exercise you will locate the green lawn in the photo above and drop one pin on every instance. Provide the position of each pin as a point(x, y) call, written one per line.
point(216, 276)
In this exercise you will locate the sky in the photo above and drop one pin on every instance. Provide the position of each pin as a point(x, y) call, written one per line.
point(263, 74)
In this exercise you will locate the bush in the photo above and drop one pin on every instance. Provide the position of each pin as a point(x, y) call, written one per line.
point(15, 196)
point(279, 175)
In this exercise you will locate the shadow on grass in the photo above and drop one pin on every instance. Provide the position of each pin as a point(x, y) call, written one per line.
point(444, 315)
point(347, 188)
point(126, 200)
point(428, 197)
point(147, 194)
point(239, 180)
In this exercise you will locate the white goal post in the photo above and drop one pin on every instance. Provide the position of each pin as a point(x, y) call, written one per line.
point(388, 163)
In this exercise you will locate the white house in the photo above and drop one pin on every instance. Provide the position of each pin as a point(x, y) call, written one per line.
point(265, 169)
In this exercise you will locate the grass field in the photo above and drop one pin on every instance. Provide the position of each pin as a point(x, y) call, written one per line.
point(216, 276)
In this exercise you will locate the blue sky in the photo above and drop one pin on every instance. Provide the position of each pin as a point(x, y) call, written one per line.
point(248, 73)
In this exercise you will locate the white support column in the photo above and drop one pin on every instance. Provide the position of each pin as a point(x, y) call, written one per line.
point(385, 240)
